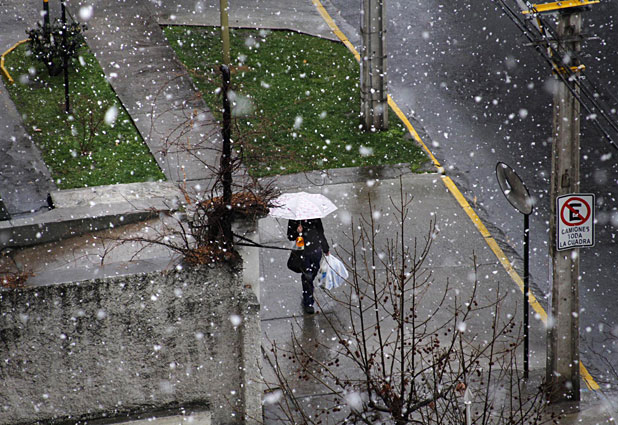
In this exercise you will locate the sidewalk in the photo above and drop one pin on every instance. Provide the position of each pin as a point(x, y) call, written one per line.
point(293, 15)
point(24, 178)
point(153, 85)
point(451, 258)
point(155, 89)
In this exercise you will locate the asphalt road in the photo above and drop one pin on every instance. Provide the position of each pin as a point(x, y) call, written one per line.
point(480, 95)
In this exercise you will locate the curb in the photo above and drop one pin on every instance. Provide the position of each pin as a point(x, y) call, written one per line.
point(2, 68)
point(81, 211)
point(330, 176)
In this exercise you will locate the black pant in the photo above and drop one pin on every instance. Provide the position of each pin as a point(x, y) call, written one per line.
point(311, 266)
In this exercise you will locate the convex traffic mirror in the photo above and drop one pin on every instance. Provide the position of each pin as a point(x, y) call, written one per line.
point(514, 188)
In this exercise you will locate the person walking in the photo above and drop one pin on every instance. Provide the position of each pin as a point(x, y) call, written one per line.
point(304, 212)
point(315, 244)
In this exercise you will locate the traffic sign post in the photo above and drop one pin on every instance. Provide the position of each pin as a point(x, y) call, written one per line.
point(575, 218)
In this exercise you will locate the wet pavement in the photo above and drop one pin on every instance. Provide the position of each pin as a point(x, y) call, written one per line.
point(457, 244)
point(475, 65)
point(298, 16)
point(24, 178)
point(456, 247)
point(92, 255)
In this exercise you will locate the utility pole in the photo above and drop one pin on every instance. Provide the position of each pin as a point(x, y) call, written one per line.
point(374, 105)
point(225, 30)
point(563, 333)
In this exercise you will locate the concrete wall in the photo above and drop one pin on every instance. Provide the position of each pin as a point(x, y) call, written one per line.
point(127, 345)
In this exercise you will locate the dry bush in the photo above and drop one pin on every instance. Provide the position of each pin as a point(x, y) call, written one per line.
point(11, 275)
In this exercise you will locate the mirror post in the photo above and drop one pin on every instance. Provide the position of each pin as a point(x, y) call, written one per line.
point(526, 293)
point(516, 192)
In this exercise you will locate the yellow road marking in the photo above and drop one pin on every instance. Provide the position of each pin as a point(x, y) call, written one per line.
point(4, 71)
point(452, 188)
point(448, 182)
point(493, 245)
point(335, 29)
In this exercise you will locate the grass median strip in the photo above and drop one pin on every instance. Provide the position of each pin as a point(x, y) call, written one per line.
point(97, 143)
point(297, 101)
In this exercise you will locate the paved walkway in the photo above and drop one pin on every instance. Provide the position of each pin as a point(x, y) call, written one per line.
point(451, 259)
point(24, 178)
point(155, 89)
point(149, 80)
point(455, 248)
point(153, 85)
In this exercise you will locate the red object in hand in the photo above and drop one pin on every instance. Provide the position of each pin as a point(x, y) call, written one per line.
point(300, 242)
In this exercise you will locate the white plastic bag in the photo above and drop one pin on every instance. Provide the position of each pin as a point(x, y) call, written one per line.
point(323, 271)
point(332, 272)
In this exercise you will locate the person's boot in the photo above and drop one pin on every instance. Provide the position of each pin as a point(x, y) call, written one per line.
point(308, 309)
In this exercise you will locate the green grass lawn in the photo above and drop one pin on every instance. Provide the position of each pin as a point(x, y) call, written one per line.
point(297, 101)
point(97, 144)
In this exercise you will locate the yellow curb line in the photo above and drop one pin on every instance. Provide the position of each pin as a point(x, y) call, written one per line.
point(452, 188)
point(4, 71)
point(448, 182)
point(335, 29)
point(413, 132)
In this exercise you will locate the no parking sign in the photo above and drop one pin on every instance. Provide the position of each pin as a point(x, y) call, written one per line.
point(575, 221)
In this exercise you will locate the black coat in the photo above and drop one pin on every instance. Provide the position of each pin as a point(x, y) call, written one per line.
point(313, 234)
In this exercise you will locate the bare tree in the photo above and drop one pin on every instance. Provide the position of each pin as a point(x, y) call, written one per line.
point(199, 229)
point(88, 117)
point(405, 350)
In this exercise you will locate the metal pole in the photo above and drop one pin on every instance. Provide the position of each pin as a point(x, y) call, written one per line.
point(46, 18)
point(65, 58)
point(225, 30)
point(226, 160)
point(526, 293)
point(563, 333)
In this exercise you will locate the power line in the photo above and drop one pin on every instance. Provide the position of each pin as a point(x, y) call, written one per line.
point(557, 61)
point(581, 82)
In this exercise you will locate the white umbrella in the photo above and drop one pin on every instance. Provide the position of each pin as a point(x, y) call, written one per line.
point(302, 206)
